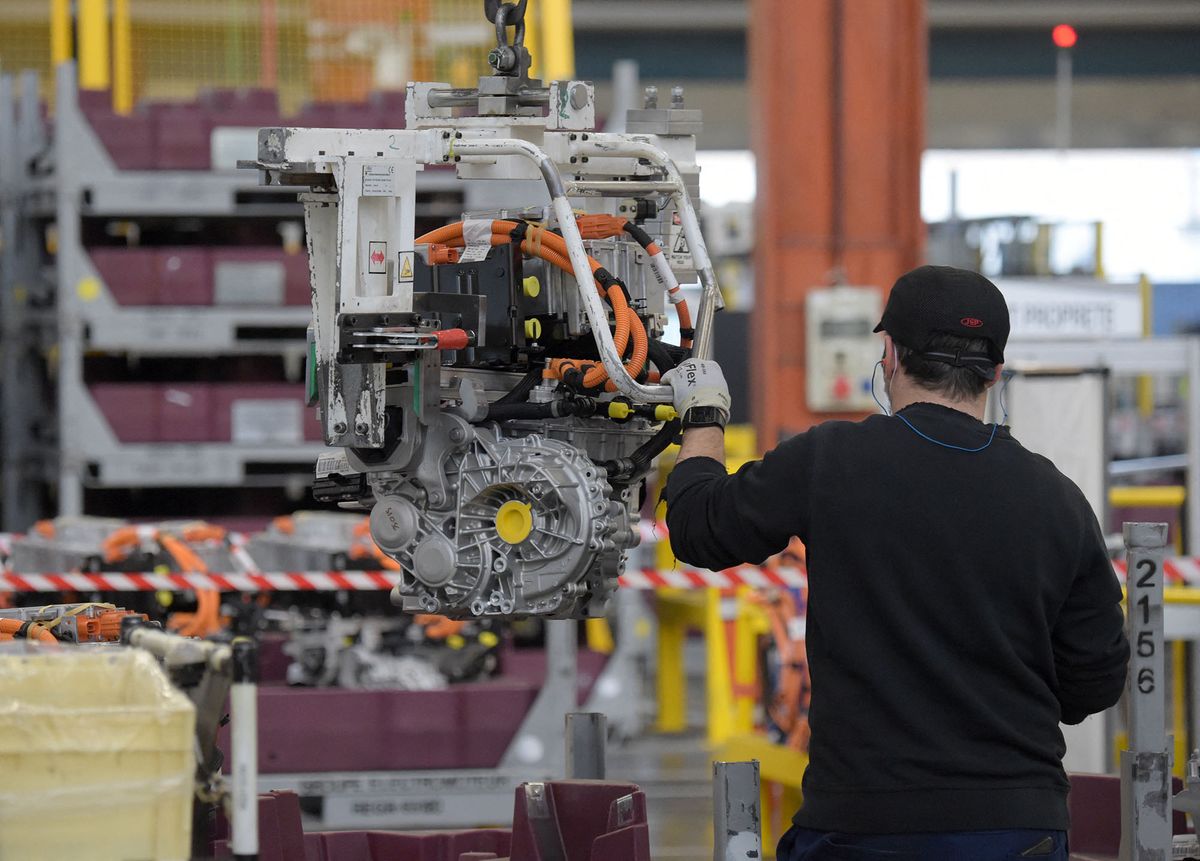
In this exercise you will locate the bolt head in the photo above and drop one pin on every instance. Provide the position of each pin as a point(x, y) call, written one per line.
point(339, 427)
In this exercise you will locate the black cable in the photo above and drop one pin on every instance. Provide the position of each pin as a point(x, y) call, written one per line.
point(640, 236)
point(499, 412)
point(630, 469)
point(662, 357)
point(521, 390)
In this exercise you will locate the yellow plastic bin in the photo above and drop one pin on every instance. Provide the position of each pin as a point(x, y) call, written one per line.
point(96, 757)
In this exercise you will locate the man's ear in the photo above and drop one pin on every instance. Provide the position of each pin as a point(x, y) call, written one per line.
point(888, 352)
point(996, 376)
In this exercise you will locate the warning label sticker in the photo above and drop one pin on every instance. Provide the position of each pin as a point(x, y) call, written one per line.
point(377, 257)
point(681, 246)
point(406, 266)
point(379, 180)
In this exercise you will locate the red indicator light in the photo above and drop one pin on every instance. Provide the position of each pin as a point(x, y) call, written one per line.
point(1064, 36)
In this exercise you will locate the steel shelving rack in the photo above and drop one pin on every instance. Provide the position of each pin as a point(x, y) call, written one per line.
point(27, 333)
point(60, 183)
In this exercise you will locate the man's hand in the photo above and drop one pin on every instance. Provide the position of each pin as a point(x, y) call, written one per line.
point(699, 385)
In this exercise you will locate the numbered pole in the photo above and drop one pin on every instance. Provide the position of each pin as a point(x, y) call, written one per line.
point(1145, 767)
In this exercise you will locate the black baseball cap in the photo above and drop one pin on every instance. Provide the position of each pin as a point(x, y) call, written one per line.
point(943, 300)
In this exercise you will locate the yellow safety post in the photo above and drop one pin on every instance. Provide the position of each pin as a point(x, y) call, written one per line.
point(557, 40)
point(671, 682)
point(599, 636)
point(92, 41)
point(533, 36)
point(719, 689)
point(60, 31)
point(751, 624)
point(1145, 383)
point(1164, 496)
point(122, 42)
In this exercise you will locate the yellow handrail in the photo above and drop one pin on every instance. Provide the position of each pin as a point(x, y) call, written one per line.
point(1165, 496)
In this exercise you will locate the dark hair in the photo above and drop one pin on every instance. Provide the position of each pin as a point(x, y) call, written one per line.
point(941, 377)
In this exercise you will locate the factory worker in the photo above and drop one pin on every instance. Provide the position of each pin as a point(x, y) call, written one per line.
point(961, 599)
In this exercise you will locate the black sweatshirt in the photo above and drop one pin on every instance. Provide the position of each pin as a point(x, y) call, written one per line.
point(960, 606)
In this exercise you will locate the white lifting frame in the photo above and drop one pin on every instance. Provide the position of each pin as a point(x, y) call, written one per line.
point(350, 154)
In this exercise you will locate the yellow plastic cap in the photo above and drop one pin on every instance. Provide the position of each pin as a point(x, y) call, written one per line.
point(665, 413)
point(619, 410)
point(532, 286)
point(455, 641)
point(533, 328)
point(514, 521)
point(489, 639)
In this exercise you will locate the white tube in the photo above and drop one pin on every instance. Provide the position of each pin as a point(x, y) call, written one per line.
point(592, 304)
point(662, 271)
point(243, 702)
point(619, 145)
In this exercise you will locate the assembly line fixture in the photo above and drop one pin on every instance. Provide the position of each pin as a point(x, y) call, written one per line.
point(489, 384)
point(209, 673)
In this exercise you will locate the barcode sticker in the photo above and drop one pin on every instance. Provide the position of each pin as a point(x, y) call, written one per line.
point(333, 463)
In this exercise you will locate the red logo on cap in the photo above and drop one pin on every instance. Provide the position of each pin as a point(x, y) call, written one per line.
point(971, 322)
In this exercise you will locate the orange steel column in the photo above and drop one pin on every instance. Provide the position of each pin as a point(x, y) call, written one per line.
point(839, 123)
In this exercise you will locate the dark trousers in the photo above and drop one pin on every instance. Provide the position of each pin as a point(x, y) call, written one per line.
point(802, 844)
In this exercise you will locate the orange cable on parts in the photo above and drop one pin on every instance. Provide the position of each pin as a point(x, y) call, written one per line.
point(553, 248)
point(34, 632)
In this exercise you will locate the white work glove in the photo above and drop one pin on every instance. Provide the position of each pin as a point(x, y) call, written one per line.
point(699, 385)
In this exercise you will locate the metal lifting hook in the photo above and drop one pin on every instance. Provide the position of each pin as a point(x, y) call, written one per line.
point(505, 58)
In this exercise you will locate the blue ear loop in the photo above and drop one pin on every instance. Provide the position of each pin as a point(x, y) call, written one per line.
point(924, 436)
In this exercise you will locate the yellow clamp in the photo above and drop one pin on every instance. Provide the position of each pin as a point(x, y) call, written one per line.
point(665, 413)
point(533, 328)
point(532, 286)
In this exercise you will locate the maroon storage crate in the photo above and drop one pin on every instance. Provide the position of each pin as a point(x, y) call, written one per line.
point(597, 820)
point(297, 285)
point(131, 409)
point(156, 412)
point(249, 276)
point(263, 413)
point(131, 274)
point(184, 276)
point(129, 140)
point(185, 412)
point(282, 838)
point(464, 726)
point(183, 134)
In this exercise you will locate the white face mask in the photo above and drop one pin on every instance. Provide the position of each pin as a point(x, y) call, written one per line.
point(887, 380)
point(887, 409)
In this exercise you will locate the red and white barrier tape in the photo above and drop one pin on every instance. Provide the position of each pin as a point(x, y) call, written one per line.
point(286, 581)
point(332, 581)
point(1180, 571)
